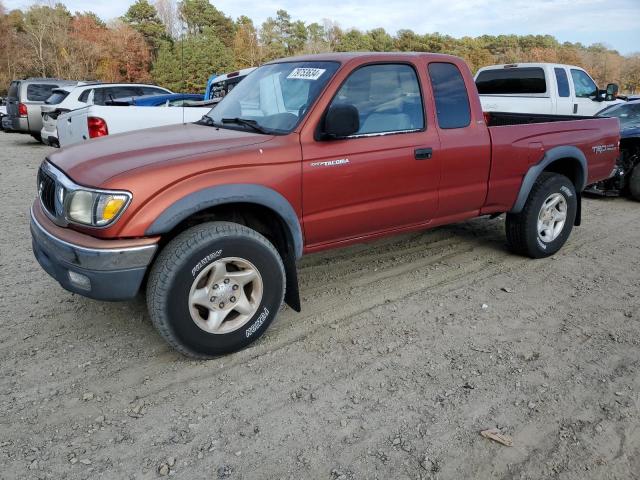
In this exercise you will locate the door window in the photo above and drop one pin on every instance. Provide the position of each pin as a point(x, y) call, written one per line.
point(583, 85)
point(387, 98)
point(450, 95)
point(153, 91)
point(563, 82)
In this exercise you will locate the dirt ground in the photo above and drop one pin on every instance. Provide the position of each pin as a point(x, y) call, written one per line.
point(405, 350)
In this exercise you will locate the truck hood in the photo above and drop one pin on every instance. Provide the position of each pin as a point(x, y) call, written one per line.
point(93, 162)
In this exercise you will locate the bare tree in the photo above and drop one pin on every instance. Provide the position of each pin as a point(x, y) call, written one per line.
point(168, 13)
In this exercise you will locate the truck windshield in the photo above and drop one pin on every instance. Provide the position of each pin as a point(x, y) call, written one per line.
point(274, 97)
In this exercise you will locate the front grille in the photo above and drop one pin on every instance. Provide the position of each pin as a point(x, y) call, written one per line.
point(47, 191)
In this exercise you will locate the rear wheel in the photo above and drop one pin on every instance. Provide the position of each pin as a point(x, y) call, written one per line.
point(634, 183)
point(546, 221)
point(215, 288)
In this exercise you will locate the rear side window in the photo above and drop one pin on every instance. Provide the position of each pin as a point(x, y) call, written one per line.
point(583, 85)
point(563, 82)
point(506, 81)
point(56, 97)
point(387, 98)
point(39, 92)
point(84, 96)
point(450, 95)
point(13, 90)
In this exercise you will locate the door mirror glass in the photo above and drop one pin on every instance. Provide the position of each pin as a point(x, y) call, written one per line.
point(342, 120)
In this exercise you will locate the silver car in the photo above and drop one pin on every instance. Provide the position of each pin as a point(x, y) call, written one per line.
point(24, 100)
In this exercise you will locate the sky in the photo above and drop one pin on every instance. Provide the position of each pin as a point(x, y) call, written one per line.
point(615, 23)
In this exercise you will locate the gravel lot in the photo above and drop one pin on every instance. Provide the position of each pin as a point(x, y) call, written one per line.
point(405, 350)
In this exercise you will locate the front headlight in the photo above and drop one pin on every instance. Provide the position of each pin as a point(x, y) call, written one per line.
point(95, 208)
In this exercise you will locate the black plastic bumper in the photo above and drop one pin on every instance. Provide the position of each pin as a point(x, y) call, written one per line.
point(102, 274)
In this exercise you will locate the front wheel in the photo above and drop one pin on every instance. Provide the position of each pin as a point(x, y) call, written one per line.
point(215, 288)
point(546, 221)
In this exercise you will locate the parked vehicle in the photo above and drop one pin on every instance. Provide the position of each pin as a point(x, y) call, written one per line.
point(546, 88)
point(219, 85)
point(3, 111)
point(102, 93)
point(50, 111)
point(626, 178)
point(101, 120)
point(166, 100)
point(94, 94)
point(24, 100)
point(306, 154)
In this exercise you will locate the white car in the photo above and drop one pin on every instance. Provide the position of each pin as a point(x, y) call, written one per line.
point(50, 111)
point(64, 100)
point(100, 120)
point(545, 88)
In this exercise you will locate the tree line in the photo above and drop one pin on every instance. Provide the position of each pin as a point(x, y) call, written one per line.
point(178, 44)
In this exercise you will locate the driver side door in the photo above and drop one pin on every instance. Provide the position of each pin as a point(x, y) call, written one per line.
point(383, 178)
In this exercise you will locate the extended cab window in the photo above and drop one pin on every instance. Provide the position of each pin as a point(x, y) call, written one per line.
point(583, 85)
point(563, 82)
point(387, 98)
point(511, 81)
point(450, 95)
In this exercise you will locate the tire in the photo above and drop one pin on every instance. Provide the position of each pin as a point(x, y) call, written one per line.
point(188, 273)
point(634, 183)
point(523, 236)
point(37, 137)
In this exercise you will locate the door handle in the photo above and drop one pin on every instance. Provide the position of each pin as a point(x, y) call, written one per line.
point(575, 108)
point(423, 153)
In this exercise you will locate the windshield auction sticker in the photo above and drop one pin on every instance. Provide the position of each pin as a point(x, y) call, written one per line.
point(306, 73)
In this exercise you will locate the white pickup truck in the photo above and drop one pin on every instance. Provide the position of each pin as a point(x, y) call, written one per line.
point(99, 120)
point(547, 88)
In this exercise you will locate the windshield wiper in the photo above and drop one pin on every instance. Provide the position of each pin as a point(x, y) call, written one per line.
point(247, 122)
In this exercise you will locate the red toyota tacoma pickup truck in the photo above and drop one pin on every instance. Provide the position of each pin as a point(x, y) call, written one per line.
point(305, 154)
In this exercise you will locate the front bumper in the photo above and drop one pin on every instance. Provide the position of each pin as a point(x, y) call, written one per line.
point(99, 270)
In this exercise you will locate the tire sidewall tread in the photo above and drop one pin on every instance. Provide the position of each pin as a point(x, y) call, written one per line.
point(522, 229)
point(171, 278)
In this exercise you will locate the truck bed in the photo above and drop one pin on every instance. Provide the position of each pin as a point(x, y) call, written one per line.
point(519, 141)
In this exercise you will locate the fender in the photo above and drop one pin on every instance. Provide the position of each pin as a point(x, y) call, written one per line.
point(549, 157)
point(224, 194)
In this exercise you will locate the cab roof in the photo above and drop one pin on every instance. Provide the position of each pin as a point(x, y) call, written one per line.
point(344, 57)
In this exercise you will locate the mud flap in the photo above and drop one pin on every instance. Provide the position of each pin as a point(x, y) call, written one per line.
point(578, 220)
point(292, 294)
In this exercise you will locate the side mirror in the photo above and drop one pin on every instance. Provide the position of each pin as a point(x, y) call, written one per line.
point(341, 121)
point(612, 91)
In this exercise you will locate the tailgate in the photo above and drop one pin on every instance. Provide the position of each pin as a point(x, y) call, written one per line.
point(72, 127)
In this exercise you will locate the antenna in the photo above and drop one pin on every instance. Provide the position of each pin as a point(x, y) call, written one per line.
point(182, 70)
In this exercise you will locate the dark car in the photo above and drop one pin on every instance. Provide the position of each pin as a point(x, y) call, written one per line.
point(626, 177)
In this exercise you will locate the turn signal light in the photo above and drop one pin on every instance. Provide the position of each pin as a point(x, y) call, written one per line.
point(97, 127)
point(22, 110)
